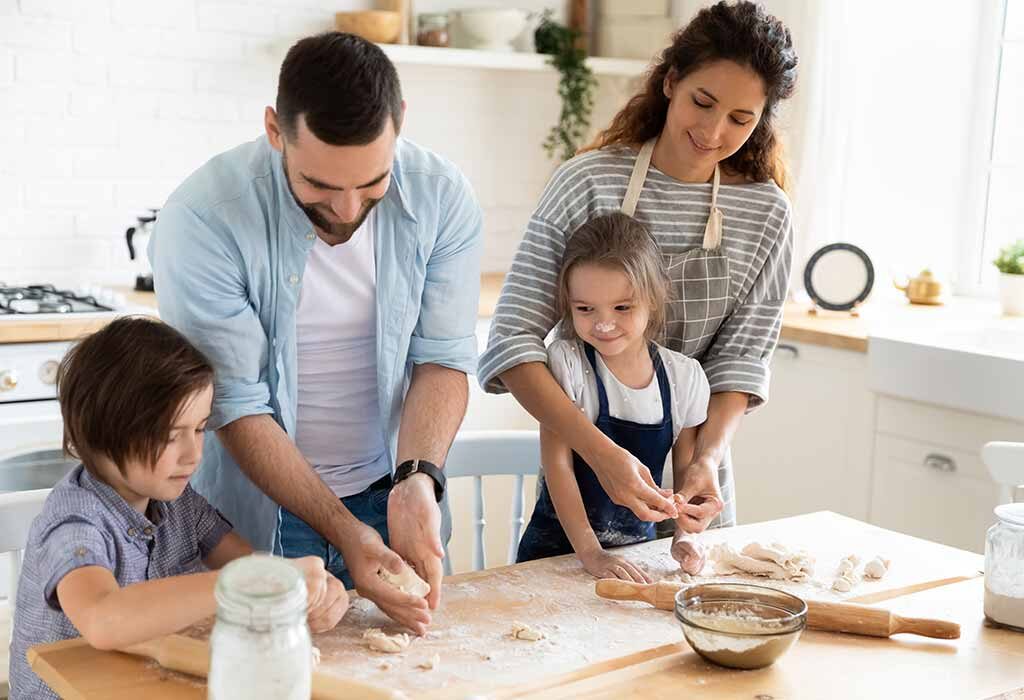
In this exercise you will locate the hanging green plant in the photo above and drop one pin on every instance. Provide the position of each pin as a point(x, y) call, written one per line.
point(576, 86)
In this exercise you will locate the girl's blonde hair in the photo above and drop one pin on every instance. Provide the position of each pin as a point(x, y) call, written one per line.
point(620, 242)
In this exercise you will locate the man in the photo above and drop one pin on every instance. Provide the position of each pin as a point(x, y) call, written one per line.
point(330, 270)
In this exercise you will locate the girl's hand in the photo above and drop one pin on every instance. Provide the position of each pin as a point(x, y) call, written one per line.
point(601, 564)
point(688, 552)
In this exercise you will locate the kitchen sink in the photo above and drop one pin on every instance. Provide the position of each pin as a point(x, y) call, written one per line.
point(974, 364)
point(40, 470)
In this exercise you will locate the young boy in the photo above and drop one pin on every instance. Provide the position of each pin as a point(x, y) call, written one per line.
point(123, 548)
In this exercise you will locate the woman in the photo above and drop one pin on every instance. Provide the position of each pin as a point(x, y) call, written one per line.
point(693, 157)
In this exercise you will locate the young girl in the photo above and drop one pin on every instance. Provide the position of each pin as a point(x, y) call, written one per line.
point(122, 550)
point(649, 400)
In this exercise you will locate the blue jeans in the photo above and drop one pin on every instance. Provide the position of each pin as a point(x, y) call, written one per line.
point(297, 539)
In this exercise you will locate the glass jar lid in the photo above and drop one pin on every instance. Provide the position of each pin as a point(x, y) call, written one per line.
point(260, 591)
point(433, 19)
point(1012, 513)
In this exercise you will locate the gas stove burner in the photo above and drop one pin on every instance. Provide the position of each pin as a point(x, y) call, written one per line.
point(45, 299)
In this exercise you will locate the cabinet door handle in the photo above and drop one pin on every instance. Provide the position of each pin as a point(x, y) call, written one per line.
point(940, 463)
point(786, 347)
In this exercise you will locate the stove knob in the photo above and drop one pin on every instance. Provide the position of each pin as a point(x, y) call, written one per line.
point(8, 380)
point(48, 372)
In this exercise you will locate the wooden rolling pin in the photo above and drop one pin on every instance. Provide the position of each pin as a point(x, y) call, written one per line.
point(828, 617)
point(179, 653)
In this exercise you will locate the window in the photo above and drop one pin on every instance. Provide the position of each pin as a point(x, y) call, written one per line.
point(1004, 209)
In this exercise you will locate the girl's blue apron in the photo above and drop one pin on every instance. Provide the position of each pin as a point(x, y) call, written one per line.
point(612, 524)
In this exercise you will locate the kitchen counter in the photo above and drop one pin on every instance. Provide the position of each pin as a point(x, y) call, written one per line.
point(831, 329)
point(72, 326)
point(601, 649)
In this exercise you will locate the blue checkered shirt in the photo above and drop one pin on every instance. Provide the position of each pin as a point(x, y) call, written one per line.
point(85, 522)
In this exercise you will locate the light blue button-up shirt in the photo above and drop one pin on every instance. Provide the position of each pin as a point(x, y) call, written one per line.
point(228, 256)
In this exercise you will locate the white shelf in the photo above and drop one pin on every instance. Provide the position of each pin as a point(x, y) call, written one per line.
point(432, 56)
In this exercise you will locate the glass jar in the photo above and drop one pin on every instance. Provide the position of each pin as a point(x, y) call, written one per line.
point(1004, 567)
point(433, 29)
point(260, 645)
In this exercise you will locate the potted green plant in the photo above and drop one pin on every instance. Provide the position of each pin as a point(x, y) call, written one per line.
point(1011, 278)
point(576, 86)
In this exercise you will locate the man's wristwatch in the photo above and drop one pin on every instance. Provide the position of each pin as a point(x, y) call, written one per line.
point(421, 466)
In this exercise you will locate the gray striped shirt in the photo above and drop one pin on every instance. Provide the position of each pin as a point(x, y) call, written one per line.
point(757, 240)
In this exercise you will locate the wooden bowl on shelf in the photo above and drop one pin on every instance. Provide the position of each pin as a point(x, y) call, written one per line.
point(379, 26)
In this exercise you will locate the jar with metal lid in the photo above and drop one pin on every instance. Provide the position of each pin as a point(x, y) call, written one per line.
point(432, 29)
point(260, 645)
point(1004, 567)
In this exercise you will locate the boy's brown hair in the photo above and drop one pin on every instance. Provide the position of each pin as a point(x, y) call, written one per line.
point(618, 241)
point(122, 388)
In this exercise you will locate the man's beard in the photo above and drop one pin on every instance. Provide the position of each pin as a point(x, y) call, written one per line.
point(341, 230)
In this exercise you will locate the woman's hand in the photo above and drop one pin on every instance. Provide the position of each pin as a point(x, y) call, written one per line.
point(601, 564)
point(698, 499)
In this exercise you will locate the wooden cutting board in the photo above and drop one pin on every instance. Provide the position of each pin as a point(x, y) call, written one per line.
point(556, 596)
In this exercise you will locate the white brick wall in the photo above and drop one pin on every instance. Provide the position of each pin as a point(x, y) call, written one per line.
point(108, 104)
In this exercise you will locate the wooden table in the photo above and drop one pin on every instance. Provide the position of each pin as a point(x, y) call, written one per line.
point(601, 649)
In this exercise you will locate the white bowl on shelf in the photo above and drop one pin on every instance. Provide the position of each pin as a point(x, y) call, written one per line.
point(492, 29)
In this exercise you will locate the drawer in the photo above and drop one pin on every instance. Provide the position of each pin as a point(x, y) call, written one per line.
point(938, 459)
point(946, 427)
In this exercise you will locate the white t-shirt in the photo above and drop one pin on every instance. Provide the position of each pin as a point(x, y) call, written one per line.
point(687, 381)
point(339, 427)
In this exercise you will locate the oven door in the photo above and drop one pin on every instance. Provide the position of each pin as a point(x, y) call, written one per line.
point(30, 446)
point(30, 455)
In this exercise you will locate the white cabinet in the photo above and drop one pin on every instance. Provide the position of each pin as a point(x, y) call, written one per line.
point(809, 447)
point(929, 480)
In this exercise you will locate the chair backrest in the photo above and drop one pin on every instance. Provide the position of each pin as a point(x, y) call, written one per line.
point(1005, 462)
point(480, 453)
point(17, 511)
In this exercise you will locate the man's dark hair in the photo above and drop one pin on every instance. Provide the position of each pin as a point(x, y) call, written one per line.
point(121, 390)
point(344, 86)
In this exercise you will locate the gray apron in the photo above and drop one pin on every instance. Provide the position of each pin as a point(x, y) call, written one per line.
point(699, 300)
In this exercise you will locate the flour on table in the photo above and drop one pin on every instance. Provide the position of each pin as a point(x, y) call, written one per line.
point(876, 568)
point(406, 582)
point(525, 632)
point(378, 640)
point(776, 561)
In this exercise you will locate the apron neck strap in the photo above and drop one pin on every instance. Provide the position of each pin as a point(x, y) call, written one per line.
point(713, 228)
point(636, 180)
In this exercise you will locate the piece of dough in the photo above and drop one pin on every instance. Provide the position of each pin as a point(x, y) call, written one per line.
point(877, 567)
point(776, 562)
point(431, 664)
point(378, 640)
point(407, 581)
point(525, 632)
point(846, 577)
point(316, 656)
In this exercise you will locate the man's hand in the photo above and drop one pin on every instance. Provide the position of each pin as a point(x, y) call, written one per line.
point(414, 529)
point(698, 498)
point(365, 556)
point(333, 605)
point(629, 483)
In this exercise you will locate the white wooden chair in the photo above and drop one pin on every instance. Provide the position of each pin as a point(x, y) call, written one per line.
point(480, 453)
point(1005, 462)
point(17, 510)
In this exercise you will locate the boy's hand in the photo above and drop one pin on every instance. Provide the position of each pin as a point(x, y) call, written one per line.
point(601, 564)
point(312, 569)
point(688, 552)
point(331, 609)
point(698, 499)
